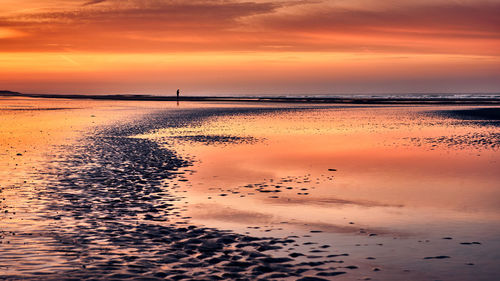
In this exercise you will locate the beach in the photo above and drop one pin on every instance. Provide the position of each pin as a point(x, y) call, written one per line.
point(225, 190)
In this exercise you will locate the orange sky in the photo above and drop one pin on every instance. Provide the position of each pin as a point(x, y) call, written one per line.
point(225, 47)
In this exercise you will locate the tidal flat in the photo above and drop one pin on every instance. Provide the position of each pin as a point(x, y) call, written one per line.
point(150, 190)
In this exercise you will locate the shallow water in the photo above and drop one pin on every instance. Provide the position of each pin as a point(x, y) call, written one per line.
point(383, 182)
point(87, 201)
point(114, 190)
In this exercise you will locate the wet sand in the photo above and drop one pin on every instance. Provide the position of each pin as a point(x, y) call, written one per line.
point(93, 198)
point(385, 183)
point(106, 210)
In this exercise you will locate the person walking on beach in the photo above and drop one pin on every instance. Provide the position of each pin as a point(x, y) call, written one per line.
point(178, 92)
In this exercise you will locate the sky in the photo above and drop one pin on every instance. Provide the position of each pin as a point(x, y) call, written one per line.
point(250, 47)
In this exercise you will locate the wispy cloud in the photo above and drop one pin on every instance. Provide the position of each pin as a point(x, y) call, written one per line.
point(92, 2)
point(70, 60)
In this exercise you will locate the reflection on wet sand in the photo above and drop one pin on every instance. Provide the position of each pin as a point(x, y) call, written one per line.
point(144, 190)
point(385, 172)
point(238, 216)
point(35, 136)
point(105, 210)
point(377, 164)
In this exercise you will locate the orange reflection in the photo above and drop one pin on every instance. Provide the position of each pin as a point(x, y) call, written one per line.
point(393, 169)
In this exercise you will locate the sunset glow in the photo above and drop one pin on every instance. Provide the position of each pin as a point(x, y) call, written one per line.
point(249, 47)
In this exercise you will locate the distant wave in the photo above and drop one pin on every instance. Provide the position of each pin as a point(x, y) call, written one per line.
point(389, 96)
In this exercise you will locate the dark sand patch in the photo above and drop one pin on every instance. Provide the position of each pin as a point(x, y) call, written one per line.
point(480, 116)
point(217, 139)
point(466, 141)
point(476, 114)
point(474, 117)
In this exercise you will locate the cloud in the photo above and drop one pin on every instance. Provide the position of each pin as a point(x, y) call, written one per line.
point(331, 202)
point(205, 211)
point(9, 33)
point(433, 18)
point(136, 26)
point(302, 26)
point(149, 15)
point(93, 2)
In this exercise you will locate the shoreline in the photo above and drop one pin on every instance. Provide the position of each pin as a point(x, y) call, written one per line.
point(319, 100)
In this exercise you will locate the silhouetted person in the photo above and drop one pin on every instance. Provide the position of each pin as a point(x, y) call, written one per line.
point(178, 92)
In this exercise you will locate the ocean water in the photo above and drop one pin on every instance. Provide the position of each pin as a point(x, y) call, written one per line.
point(383, 96)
